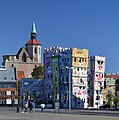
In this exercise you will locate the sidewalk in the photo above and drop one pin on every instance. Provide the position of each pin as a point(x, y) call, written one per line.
point(14, 109)
point(79, 110)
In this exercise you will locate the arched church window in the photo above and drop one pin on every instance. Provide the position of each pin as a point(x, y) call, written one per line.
point(39, 50)
point(24, 57)
point(35, 50)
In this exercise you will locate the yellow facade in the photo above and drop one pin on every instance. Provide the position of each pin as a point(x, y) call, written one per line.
point(79, 57)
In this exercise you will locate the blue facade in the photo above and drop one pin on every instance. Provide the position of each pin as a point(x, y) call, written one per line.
point(32, 89)
point(56, 59)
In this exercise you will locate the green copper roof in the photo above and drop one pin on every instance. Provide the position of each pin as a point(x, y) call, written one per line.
point(33, 30)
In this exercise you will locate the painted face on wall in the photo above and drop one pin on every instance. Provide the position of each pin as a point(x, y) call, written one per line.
point(99, 65)
point(98, 85)
point(82, 91)
point(99, 77)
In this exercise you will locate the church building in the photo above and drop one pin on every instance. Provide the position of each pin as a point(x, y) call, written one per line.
point(27, 58)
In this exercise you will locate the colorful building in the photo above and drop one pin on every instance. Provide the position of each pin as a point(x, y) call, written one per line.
point(96, 81)
point(110, 86)
point(31, 88)
point(66, 76)
point(79, 76)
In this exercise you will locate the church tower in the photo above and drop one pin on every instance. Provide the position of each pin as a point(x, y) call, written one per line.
point(33, 46)
point(27, 58)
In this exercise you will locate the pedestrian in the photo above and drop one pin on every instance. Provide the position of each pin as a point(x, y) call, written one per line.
point(30, 106)
point(26, 106)
point(33, 106)
point(42, 107)
point(22, 107)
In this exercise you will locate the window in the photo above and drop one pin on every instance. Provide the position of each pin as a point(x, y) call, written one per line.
point(55, 79)
point(75, 59)
point(56, 68)
point(35, 50)
point(48, 95)
point(49, 87)
point(62, 60)
point(12, 93)
point(67, 59)
point(67, 79)
point(39, 50)
point(24, 57)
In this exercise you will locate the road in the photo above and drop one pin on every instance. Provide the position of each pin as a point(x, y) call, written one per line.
point(11, 114)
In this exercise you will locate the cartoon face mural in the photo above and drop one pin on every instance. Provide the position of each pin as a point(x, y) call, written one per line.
point(99, 77)
point(99, 66)
point(98, 85)
point(79, 71)
point(79, 91)
point(79, 81)
point(80, 57)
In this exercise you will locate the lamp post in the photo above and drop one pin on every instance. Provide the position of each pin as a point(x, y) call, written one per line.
point(69, 86)
point(116, 94)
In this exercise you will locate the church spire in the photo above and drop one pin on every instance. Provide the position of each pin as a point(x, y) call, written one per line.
point(33, 30)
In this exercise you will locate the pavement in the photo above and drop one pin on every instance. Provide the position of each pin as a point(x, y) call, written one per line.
point(10, 113)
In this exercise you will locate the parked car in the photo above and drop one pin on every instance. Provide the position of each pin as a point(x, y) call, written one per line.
point(105, 106)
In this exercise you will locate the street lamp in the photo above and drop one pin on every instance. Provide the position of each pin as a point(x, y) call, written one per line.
point(69, 87)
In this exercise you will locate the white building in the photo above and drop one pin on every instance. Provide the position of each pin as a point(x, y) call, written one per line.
point(96, 81)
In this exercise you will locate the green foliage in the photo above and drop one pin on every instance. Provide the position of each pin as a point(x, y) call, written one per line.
point(116, 99)
point(110, 98)
point(38, 72)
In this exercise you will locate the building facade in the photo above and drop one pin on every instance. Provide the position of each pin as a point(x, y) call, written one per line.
point(28, 57)
point(66, 76)
point(31, 88)
point(8, 89)
point(96, 75)
point(79, 76)
point(110, 87)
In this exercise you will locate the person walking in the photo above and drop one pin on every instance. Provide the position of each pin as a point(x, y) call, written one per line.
point(30, 106)
point(42, 107)
point(26, 106)
point(33, 106)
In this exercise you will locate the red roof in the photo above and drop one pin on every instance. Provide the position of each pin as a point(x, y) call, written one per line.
point(20, 74)
point(112, 76)
point(33, 42)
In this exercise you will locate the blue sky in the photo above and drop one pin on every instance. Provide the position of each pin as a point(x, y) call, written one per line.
point(90, 24)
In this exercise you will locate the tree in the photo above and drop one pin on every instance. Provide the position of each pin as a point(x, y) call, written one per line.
point(38, 72)
point(110, 98)
point(116, 99)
